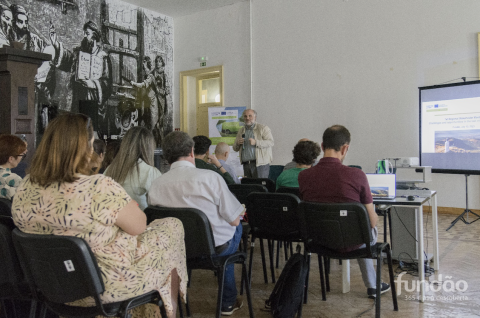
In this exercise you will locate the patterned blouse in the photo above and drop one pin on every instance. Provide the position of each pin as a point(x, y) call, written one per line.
point(9, 182)
point(88, 208)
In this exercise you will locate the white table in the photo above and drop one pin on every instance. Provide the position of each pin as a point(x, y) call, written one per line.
point(416, 204)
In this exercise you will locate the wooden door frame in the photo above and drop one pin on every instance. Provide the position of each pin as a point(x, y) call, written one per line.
point(184, 93)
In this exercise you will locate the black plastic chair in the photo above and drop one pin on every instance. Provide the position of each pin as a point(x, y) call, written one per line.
point(275, 171)
point(62, 269)
point(291, 190)
point(272, 216)
point(332, 227)
point(13, 285)
point(268, 183)
point(200, 248)
point(5, 207)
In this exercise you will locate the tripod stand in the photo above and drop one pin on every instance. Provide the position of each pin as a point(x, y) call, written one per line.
point(461, 217)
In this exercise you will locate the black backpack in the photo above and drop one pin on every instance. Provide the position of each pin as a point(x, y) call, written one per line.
point(287, 296)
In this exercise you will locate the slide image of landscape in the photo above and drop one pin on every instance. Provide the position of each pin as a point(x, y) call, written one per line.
point(458, 141)
point(379, 191)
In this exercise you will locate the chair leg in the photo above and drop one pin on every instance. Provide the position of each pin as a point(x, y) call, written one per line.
point(270, 254)
point(279, 245)
point(247, 290)
point(305, 292)
point(252, 246)
point(189, 273)
point(221, 277)
point(187, 307)
point(379, 284)
point(385, 226)
point(180, 307)
point(285, 249)
point(327, 272)
point(390, 224)
point(322, 278)
point(262, 251)
point(392, 278)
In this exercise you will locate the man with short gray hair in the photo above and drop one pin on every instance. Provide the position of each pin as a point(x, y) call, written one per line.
point(185, 186)
point(254, 142)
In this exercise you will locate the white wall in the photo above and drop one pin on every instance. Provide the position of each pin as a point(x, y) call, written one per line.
point(358, 63)
point(224, 36)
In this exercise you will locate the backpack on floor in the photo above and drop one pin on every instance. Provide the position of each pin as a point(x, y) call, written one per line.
point(287, 296)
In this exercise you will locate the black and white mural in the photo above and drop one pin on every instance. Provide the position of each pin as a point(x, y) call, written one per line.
point(110, 60)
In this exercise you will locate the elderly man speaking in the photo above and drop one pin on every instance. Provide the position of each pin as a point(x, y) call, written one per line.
point(254, 142)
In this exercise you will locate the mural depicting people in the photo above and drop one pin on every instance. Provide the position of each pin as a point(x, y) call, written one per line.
point(157, 91)
point(91, 69)
point(5, 25)
point(21, 32)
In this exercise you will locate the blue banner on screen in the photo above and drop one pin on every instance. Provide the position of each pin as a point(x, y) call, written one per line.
point(450, 128)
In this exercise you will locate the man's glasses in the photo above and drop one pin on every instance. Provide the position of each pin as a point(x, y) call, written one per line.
point(23, 156)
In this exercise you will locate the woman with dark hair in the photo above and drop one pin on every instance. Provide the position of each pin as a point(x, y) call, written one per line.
point(60, 197)
point(12, 151)
point(133, 166)
point(304, 154)
point(110, 153)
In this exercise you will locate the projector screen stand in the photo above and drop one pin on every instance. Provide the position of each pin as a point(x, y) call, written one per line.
point(461, 217)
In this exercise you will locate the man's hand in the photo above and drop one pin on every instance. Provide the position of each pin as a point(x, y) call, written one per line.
point(252, 141)
point(87, 83)
point(214, 160)
point(241, 141)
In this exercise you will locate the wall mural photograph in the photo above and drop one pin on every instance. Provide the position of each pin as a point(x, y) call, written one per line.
point(111, 60)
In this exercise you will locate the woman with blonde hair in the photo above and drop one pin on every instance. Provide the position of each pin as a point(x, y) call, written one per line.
point(60, 197)
point(133, 166)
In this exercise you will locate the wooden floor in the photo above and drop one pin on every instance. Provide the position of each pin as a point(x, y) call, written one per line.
point(460, 266)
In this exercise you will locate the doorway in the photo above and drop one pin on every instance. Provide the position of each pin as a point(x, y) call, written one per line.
point(199, 90)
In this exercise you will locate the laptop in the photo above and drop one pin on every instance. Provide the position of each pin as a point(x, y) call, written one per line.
point(382, 186)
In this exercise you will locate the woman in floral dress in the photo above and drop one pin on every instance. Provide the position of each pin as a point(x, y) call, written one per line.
point(60, 197)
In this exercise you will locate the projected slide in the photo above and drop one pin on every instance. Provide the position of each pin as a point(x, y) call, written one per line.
point(450, 128)
point(461, 141)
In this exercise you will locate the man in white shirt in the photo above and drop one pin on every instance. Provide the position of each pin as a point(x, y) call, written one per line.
point(185, 186)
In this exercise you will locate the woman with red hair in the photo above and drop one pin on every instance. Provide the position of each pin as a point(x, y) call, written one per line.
point(12, 151)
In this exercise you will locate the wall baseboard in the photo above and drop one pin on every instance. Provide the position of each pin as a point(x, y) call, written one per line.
point(448, 210)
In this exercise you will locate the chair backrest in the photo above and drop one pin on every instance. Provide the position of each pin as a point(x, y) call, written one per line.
point(5, 207)
point(336, 226)
point(273, 214)
point(291, 190)
point(269, 184)
point(275, 171)
point(11, 275)
point(241, 191)
point(199, 240)
point(61, 268)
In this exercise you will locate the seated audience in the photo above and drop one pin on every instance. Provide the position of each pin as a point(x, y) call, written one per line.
point(110, 153)
point(332, 182)
point(202, 155)
point(185, 186)
point(292, 164)
point(133, 166)
point(304, 155)
point(222, 151)
point(12, 151)
point(133, 259)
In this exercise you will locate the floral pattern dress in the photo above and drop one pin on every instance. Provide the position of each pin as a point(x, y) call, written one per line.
point(88, 208)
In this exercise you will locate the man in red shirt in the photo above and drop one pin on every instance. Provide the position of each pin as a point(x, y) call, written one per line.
point(331, 182)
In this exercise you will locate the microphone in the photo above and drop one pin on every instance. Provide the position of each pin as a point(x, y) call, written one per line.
point(243, 136)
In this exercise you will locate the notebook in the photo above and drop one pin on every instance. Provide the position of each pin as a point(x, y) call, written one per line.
point(382, 186)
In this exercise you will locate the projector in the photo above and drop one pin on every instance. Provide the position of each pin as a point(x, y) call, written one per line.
point(404, 161)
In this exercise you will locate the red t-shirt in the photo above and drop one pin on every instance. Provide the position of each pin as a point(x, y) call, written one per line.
point(331, 182)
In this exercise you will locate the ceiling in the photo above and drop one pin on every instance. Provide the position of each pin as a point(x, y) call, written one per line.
point(178, 8)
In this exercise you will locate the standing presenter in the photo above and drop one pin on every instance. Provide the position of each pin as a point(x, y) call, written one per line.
point(254, 141)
